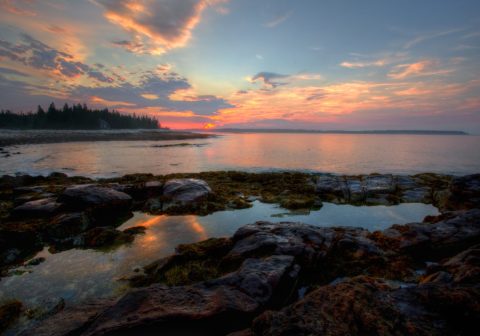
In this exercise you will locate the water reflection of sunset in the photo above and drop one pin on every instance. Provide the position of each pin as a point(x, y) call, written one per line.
point(157, 225)
point(196, 226)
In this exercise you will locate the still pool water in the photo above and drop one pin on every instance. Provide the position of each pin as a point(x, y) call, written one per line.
point(331, 153)
point(77, 275)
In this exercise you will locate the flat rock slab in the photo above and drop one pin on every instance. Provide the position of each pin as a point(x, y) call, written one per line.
point(186, 190)
point(456, 232)
point(355, 189)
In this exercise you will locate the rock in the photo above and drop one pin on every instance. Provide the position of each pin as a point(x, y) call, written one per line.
point(176, 310)
point(67, 225)
point(212, 307)
point(73, 319)
point(441, 199)
point(185, 191)
point(28, 190)
point(368, 306)
point(356, 191)
point(261, 278)
point(105, 205)
point(404, 182)
point(89, 195)
point(153, 187)
point(104, 237)
point(417, 195)
point(191, 264)
point(326, 252)
point(465, 192)
point(456, 232)
point(44, 207)
point(285, 238)
point(57, 176)
point(379, 184)
point(9, 256)
point(464, 268)
point(35, 261)
point(331, 185)
point(141, 191)
point(11, 238)
point(9, 313)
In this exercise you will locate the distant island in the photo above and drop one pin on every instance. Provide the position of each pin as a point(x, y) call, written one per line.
point(75, 117)
point(268, 130)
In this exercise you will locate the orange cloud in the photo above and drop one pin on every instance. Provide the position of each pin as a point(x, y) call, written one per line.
point(209, 126)
point(412, 92)
point(320, 104)
point(156, 26)
point(406, 70)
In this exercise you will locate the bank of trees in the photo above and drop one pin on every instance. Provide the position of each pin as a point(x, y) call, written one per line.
point(75, 117)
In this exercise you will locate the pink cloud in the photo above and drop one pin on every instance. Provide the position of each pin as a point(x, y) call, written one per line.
point(17, 7)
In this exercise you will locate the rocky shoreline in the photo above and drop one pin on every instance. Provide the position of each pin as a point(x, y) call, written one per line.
point(24, 137)
point(269, 278)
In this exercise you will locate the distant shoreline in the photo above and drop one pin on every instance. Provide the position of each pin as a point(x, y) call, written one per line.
point(301, 131)
point(16, 137)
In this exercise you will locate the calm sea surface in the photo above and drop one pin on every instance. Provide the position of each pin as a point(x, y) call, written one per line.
point(336, 153)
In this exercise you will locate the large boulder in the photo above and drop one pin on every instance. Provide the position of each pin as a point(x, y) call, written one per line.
point(465, 192)
point(94, 196)
point(186, 191)
point(44, 207)
point(68, 224)
point(103, 204)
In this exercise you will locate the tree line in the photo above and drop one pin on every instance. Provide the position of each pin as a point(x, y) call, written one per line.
point(75, 117)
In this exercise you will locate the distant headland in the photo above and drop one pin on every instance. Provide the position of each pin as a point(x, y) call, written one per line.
point(269, 130)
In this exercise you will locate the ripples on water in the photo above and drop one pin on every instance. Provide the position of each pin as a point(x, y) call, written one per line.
point(77, 275)
point(337, 153)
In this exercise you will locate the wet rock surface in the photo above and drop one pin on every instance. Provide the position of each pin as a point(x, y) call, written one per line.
point(368, 306)
point(268, 278)
point(357, 282)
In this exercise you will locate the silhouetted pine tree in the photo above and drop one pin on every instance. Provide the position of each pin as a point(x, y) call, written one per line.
point(75, 117)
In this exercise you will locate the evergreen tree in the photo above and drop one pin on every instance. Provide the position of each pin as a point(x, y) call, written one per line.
point(75, 117)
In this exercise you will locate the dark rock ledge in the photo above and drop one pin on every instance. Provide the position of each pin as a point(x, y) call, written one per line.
point(296, 279)
point(268, 279)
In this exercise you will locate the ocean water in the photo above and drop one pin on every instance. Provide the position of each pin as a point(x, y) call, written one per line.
point(334, 153)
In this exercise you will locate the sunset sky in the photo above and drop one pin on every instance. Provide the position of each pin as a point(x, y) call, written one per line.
point(310, 64)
